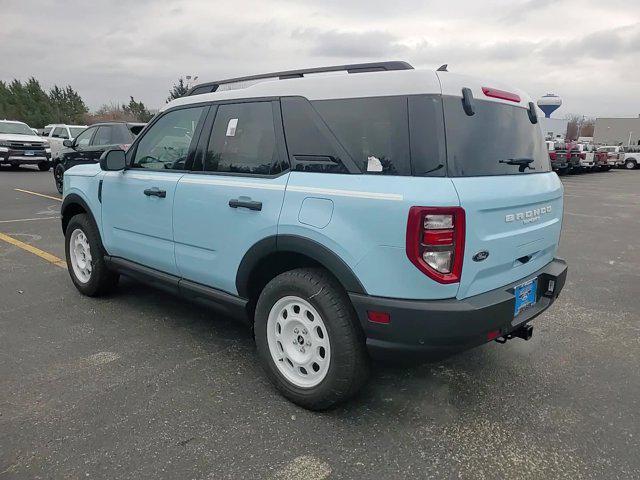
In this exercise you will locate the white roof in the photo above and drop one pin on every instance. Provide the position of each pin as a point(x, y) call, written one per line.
point(356, 85)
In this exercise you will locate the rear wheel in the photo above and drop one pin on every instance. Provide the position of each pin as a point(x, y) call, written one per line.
point(44, 166)
point(309, 340)
point(58, 174)
point(630, 164)
point(85, 258)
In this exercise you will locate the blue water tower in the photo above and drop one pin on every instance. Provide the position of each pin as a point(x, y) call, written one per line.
point(549, 104)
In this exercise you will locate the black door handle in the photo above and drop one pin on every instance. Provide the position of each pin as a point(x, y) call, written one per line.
point(155, 192)
point(250, 204)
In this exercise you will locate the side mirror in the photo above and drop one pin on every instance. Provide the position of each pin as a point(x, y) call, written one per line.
point(68, 143)
point(113, 160)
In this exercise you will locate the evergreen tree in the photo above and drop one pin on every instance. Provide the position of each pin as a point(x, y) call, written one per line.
point(179, 90)
point(137, 110)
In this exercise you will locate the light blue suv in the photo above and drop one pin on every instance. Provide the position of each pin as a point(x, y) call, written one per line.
point(338, 211)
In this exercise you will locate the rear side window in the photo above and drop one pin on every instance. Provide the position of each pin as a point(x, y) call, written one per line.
point(498, 140)
point(374, 131)
point(243, 139)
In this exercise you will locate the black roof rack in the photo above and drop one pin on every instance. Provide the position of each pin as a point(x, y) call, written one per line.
point(353, 68)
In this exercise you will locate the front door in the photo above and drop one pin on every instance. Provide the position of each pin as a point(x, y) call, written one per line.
point(234, 198)
point(137, 203)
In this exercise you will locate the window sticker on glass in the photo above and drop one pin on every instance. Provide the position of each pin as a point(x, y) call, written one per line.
point(231, 127)
point(374, 164)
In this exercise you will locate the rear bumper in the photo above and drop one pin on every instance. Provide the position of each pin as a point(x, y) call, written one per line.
point(452, 324)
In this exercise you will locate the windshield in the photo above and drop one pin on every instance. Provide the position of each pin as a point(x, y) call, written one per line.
point(15, 128)
point(498, 139)
point(75, 131)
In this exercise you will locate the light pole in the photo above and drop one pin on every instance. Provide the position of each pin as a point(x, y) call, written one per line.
point(190, 79)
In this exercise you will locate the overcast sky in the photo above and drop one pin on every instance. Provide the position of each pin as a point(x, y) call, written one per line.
point(586, 51)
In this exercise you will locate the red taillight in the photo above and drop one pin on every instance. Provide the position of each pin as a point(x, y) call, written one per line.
point(583, 155)
point(501, 94)
point(435, 241)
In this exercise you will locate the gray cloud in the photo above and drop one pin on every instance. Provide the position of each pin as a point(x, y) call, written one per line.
point(109, 50)
point(370, 44)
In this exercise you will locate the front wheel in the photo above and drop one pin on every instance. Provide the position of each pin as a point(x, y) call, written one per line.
point(85, 258)
point(58, 176)
point(308, 338)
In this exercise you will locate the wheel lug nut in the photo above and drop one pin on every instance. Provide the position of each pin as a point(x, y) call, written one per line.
point(304, 331)
point(302, 350)
point(308, 343)
point(294, 342)
point(295, 330)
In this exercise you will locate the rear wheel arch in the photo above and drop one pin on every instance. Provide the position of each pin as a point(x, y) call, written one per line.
point(274, 255)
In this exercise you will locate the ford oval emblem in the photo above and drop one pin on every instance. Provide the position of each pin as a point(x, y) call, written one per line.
point(480, 256)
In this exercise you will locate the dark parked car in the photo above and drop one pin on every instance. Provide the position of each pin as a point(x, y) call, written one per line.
point(89, 145)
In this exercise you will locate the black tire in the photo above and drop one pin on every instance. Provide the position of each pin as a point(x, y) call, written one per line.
point(348, 369)
point(630, 164)
point(102, 280)
point(58, 176)
point(44, 166)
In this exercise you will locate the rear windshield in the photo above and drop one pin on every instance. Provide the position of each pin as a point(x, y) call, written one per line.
point(498, 139)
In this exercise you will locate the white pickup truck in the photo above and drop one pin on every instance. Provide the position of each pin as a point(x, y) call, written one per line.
point(57, 133)
point(631, 158)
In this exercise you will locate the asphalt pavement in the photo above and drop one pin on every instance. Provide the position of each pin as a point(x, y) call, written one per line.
point(146, 385)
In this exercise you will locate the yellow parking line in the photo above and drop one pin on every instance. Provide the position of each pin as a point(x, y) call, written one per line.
point(29, 219)
point(36, 251)
point(38, 194)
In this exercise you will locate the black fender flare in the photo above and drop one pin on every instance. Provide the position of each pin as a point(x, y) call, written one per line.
point(301, 245)
point(68, 202)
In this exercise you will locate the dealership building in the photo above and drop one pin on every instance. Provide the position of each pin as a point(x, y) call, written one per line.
point(617, 131)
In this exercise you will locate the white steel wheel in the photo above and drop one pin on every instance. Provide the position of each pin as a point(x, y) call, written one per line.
point(298, 341)
point(80, 255)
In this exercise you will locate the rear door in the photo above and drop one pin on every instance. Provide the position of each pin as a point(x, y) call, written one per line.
point(498, 163)
point(233, 198)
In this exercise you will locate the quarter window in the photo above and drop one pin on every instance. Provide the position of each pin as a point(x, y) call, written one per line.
point(243, 139)
point(166, 144)
point(374, 131)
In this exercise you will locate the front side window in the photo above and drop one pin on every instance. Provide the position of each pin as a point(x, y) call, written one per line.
point(60, 132)
point(166, 144)
point(84, 138)
point(243, 139)
point(103, 136)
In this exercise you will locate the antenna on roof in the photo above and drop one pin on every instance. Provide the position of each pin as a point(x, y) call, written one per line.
point(443, 68)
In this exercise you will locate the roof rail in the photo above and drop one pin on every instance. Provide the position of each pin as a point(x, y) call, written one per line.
point(352, 68)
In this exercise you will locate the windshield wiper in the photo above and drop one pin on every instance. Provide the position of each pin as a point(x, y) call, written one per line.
point(522, 163)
